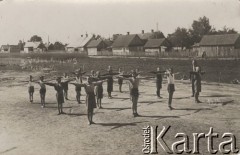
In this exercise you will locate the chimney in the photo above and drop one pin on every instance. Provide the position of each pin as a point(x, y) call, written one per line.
point(142, 31)
point(128, 33)
point(152, 30)
point(86, 35)
point(81, 35)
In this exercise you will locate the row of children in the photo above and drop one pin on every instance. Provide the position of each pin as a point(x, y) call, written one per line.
point(94, 89)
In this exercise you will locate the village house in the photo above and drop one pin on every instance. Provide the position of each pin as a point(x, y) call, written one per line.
point(34, 47)
point(154, 47)
point(10, 49)
point(96, 47)
point(129, 44)
point(150, 35)
point(219, 45)
point(80, 45)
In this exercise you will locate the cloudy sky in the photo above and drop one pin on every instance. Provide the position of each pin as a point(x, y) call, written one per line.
point(66, 20)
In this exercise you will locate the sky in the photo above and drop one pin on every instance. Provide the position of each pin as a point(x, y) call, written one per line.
point(67, 20)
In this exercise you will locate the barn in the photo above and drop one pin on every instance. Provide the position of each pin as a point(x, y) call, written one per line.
point(10, 49)
point(154, 47)
point(34, 47)
point(129, 44)
point(219, 45)
point(95, 47)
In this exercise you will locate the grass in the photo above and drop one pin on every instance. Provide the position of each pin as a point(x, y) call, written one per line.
point(216, 70)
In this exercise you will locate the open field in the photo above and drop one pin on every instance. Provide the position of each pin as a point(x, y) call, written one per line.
point(216, 70)
point(28, 129)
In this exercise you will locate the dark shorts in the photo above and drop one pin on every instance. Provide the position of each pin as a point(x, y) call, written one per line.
point(31, 89)
point(134, 92)
point(197, 86)
point(42, 91)
point(109, 87)
point(77, 88)
point(171, 88)
point(60, 98)
point(120, 81)
point(65, 87)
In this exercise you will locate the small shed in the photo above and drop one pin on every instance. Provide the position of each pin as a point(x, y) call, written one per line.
point(156, 46)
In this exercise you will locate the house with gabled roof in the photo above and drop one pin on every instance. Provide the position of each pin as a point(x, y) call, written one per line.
point(80, 45)
point(156, 46)
point(127, 45)
point(95, 47)
point(34, 47)
point(218, 45)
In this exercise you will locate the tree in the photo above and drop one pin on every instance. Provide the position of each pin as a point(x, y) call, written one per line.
point(199, 28)
point(157, 35)
point(21, 44)
point(35, 38)
point(58, 46)
point(225, 30)
point(180, 38)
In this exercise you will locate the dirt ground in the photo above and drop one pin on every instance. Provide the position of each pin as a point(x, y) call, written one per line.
point(28, 129)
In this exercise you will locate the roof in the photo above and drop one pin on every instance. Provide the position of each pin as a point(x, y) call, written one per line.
point(154, 43)
point(94, 43)
point(32, 44)
point(126, 41)
point(5, 46)
point(146, 36)
point(226, 39)
point(80, 42)
point(9, 46)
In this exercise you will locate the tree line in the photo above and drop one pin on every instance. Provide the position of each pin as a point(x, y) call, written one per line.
point(185, 38)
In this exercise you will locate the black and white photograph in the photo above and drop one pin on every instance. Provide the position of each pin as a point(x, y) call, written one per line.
point(119, 77)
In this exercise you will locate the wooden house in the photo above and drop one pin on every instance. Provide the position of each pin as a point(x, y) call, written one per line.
point(80, 45)
point(10, 49)
point(95, 47)
point(129, 44)
point(156, 46)
point(218, 45)
point(34, 47)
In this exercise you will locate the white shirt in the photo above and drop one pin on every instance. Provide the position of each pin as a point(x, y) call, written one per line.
point(170, 78)
point(30, 83)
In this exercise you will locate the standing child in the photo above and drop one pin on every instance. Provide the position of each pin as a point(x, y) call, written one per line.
point(65, 85)
point(171, 86)
point(120, 80)
point(134, 82)
point(59, 95)
point(42, 90)
point(197, 83)
point(78, 88)
point(30, 88)
point(110, 83)
point(158, 81)
point(192, 78)
point(90, 98)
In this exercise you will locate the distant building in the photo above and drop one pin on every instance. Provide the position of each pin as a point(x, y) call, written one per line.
point(150, 35)
point(95, 47)
point(80, 45)
point(127, 45)
point(218, 45)
point(34, 47)
point(156, 46)
point(10, 49)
